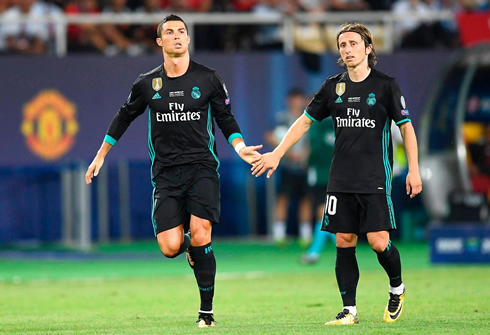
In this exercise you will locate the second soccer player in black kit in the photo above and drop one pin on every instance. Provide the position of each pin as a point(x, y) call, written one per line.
point(183, 97)
point(363, 103)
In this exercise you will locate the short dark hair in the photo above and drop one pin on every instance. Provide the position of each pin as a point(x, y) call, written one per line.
point(366, 36)
point(295, 91)
point(170, 17)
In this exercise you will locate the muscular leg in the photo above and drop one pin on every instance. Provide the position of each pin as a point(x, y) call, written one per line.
point(201, 253)
point(346, 269)
point(172, 242)
point(388, 257)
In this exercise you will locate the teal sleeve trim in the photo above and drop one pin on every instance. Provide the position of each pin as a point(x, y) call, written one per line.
point(310, 117)
point(403, 121)
point(110, 140)
point(233, 136)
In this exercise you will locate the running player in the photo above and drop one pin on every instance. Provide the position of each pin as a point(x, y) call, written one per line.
point(363, 103)
point(183, 97)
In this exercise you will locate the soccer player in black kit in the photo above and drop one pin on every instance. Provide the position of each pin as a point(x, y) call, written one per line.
point(363, 103)
point(183, 97)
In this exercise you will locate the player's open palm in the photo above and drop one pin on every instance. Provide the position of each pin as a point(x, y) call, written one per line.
point(414, 184)
point(93, 169)
point(250, 154)
point(268, 161)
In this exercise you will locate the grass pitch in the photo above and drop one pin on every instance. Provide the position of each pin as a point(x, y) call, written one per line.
point(260, 289)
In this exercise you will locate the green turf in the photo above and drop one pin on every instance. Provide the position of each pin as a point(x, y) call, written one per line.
point(260, 290)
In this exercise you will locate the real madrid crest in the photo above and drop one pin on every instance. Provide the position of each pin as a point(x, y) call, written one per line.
point(371, 99)
point(156, 83)
point(195, 94)
point(340, 89)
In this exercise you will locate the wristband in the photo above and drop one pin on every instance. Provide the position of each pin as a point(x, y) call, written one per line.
point(239, 147)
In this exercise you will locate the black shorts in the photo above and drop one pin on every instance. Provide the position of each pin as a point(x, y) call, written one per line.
point(184, 190)
point(293, 183)
point(358, 213)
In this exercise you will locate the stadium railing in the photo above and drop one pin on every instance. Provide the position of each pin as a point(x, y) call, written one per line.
point(387, 19)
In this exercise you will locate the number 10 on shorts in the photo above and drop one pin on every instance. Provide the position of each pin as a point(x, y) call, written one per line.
point(330, 205)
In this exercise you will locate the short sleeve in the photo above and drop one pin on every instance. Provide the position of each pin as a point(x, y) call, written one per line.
point(397, 106)
point(317, 109)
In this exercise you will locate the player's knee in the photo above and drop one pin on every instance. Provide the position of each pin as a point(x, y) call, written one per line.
point(378, 245)
point(345, 240)
point(170, 250)
point(201, 237)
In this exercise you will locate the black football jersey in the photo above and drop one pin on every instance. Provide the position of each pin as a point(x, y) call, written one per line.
point(180, 116)
point(362, 113)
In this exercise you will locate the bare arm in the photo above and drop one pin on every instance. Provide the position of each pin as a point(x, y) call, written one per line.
point(94, 167)
point(270, 161)
point(413, 183)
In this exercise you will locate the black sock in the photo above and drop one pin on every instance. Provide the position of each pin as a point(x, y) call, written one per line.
point(347, 272)
point(390, 261)
point(184, 246)
point(205, 272)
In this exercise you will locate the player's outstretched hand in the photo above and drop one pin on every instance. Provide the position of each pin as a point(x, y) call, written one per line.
point(93, 169)
point(250, 154)
point(268, 161)
point(414, 184)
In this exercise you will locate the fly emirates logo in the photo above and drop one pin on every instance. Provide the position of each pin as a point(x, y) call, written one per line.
point(353, 121)
point(177, 114)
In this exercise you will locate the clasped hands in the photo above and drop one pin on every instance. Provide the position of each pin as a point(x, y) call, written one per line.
point(260, 162)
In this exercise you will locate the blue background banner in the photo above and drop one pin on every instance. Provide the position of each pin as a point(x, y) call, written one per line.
point(97, 86)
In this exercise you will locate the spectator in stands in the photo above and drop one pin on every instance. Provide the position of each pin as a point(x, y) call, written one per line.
point(4, 5)
point(414, 34)
point(26, 38)
point(58, 3)
point(85, 37)
point(271, 36)
point(293, 172)
point(201, 6)
point(242, 5)
point(235, 37)
point(120, 35)
point(348, 5)
point(146, 34)
point(312, 6)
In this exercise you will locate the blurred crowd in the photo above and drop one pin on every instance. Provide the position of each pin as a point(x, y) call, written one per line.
point(113, 39)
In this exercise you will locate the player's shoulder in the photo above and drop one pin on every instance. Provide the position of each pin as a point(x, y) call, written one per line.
point(202, 69)
point(382, 76)
point(337, 78)
point(150, 74)
point(333, 80)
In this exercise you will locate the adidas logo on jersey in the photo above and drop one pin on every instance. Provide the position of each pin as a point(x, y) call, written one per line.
point(339, 100)
point(156, 96)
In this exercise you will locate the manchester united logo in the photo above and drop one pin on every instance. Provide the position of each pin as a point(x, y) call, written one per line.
point(49, 125)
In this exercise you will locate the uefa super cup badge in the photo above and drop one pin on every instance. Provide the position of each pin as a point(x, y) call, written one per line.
point(195, 94)
point(371, 99)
